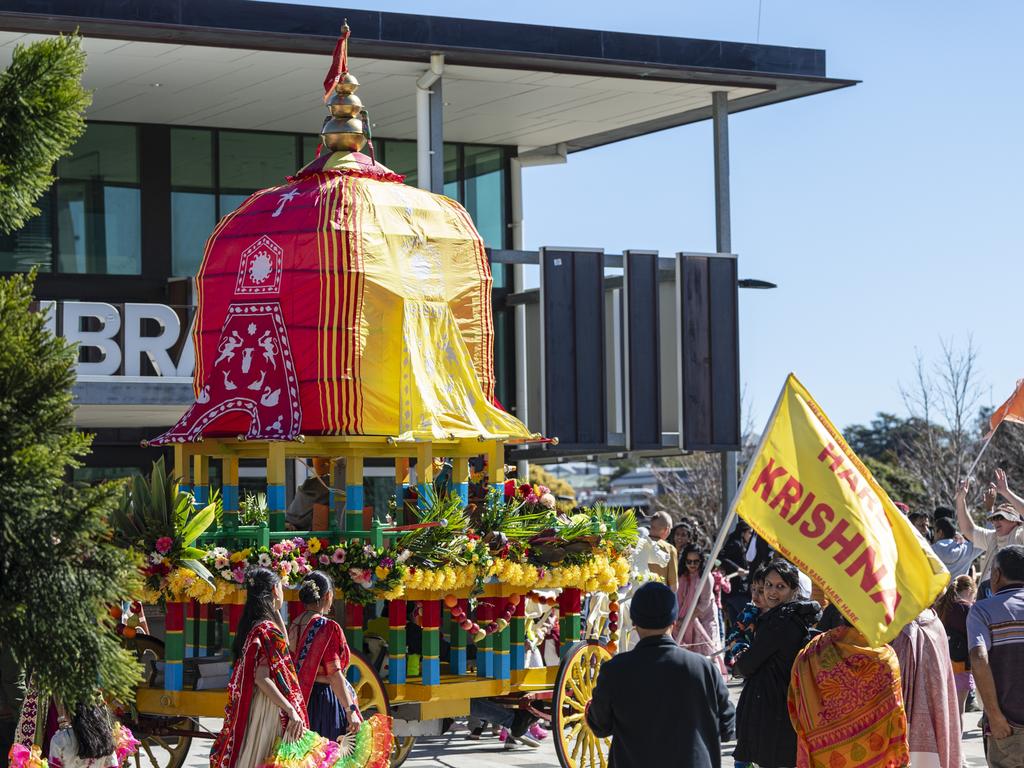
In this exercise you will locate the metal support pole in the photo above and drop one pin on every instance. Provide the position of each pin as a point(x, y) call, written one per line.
point(430, 127)
point(723, 240)
point(519, 284)
point(437, 137)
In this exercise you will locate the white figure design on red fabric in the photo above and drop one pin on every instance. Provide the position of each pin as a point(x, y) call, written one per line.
point(271, 402)
point(227, 347)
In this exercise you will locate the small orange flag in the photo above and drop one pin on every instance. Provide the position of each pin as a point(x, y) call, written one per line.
point(1011, 410)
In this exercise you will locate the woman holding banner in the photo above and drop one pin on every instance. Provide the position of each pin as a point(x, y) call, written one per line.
point(764, 732)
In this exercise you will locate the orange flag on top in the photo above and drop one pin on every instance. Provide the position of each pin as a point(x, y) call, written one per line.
point(1011, 410)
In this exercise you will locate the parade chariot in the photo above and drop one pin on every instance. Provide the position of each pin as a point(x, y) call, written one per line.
point(344, 321)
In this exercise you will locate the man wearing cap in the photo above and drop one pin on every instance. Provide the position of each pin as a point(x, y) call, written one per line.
point(692, 714)
point(1006, 527)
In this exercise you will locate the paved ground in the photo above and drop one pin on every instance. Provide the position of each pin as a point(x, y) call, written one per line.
point(454, 751)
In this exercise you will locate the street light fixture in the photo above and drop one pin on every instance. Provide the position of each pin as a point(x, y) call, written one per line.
point(762, 285)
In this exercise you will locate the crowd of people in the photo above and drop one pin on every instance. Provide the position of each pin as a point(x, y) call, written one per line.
point(814, 692)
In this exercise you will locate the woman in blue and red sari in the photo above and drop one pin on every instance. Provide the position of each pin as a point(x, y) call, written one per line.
point(321, 657)
point(265, 703)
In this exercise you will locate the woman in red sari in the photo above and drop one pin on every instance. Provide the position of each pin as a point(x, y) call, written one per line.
point(321, 657)
point(265, 702)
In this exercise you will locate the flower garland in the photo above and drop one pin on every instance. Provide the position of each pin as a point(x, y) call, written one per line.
point(365, 574)
point(362, 572)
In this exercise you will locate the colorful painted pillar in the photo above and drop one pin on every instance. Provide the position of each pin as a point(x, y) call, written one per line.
point(183, 469)
point(460, 479)
point(457, 652)
point(354, 494)
point(568, 618)
point(232, 614)
point(484, 648)
point(191, 628)
point(201, 481)
point(518, 635)
point(501, 643)
point(430, 662)
point(295, 608)
point(203, 620)
point(229, 492)
point(496, 466)
point(424, 473)
point(354, 634)
point(396, 642)
point(401, 471)
point(276, 461)
point(174, 647)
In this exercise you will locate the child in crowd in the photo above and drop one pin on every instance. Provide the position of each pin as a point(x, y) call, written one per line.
point(720, 584)
point(742, 632)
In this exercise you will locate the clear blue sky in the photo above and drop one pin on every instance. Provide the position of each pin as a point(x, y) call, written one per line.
point(888, 213)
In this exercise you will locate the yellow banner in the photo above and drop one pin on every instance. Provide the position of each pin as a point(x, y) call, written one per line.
point(809, 496)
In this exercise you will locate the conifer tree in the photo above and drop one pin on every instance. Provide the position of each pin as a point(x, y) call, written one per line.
point(42, 114)
point(60, 571)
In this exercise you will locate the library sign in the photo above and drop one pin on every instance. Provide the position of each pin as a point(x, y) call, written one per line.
point(115, 339)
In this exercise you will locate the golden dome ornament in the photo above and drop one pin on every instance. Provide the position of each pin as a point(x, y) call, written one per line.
point(344, 131)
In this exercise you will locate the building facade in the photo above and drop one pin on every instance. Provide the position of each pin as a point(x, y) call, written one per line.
point(197, 105)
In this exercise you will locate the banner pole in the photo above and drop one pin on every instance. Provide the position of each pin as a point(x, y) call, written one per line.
point(729, 517)
point(970, 472)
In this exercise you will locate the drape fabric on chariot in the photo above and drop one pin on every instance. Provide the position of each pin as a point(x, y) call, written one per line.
point(344, 303)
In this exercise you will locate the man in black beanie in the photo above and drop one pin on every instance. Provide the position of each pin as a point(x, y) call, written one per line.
point(662, 705)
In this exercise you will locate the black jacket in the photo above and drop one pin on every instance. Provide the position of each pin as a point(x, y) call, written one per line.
point(734, 558)
point(764, 732)
point(663, 706)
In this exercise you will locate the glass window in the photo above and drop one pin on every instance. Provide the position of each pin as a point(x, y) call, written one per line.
point(309, 147)
point(193, 200)
point(191, 158)
point(98, 206)
point(251, 161)
point(485, 192)
point(400, 157)
point(193, 217)
point(452, 187)
point(32, 245)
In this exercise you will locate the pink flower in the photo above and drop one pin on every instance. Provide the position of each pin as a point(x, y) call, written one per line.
point(338, 556)
point(277, 549)
point(164, 544)
point(239, 573)
point(324, 559)
point(19, 755)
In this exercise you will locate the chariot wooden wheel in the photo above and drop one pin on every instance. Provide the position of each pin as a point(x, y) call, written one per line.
point(160, 746)
point(575, 744)
point(373, 697)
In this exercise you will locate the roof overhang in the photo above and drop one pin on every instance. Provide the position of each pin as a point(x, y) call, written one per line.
point(256, 65)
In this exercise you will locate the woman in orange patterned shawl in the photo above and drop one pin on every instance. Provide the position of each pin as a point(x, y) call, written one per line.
point(846, 704)
point(264, 698)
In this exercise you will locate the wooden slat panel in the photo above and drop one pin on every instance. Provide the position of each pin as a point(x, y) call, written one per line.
point(642, 358)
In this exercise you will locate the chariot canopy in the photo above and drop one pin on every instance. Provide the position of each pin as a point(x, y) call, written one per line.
point(344, 302)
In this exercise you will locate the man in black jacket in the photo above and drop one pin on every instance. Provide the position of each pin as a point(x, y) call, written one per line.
point(662, 705)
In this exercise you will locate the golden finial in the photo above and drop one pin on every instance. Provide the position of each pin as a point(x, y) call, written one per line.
point(344, 130)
